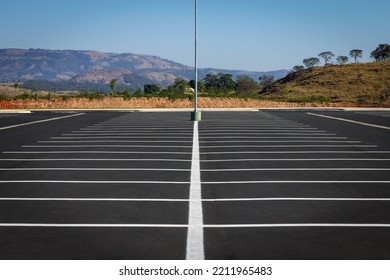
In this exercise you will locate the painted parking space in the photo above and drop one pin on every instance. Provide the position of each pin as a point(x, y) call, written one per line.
point(244, 185)
point(125, 176)
point(282, 187)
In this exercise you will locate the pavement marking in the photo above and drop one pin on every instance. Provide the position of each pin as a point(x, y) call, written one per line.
point(297, 152)
point(284, 141)
point(350, 121)
point(195, 244)
point(40, 121)
point(291, 146)
point(296, 225)
point(92, 169)
point(294, 182)
point(295, 159)
point(95, 152)
point(103, 146)
point(94, 159)
point(186, 226)
point(116, 137)
point(116, 141)
point(272, 137)
point(188, 200)
point(306, 130)
point(92, 199)
point(108, 133)
point(314, 133)
point(95, 225)
point(293, 199)
point(296, 169)
point(89, 182)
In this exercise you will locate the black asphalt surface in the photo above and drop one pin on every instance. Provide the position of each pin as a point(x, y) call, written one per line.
point(276, 184)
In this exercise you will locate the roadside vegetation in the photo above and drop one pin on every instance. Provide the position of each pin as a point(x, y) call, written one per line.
point(337, 83)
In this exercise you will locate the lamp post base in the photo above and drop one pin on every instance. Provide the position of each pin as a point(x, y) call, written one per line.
point(196, 116)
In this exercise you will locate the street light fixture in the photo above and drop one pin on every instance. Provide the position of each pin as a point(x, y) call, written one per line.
point(196, 115)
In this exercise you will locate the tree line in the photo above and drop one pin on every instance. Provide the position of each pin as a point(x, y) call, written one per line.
point(214, 84)
point(381, 53)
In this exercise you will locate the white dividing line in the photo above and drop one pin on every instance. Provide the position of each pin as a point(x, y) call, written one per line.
point(103, 146)
point(90, 182)
point(283, 141)
point(92, 199)
point(297, 225)
point(95, 159)
point(350, 121)
point(294, 182)
point(290, 146)
point(120, 137)
point(187, 200)
point(119, 141)
point(195, 245)
point(96, 152)
point(92, 169)
point(297, 152)
point(263, 130)
point(40, 121)
point(295, 169)
point(186, 226)
point(95, 225)
point(294, 159)
point(293, 199)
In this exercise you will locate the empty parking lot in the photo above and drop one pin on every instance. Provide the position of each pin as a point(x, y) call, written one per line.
point(238, 185)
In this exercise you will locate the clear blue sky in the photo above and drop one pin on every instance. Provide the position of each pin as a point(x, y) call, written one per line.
point(233, 34)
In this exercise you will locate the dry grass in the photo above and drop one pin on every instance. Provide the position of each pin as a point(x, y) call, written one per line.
point(143, 103)
point(365, 84)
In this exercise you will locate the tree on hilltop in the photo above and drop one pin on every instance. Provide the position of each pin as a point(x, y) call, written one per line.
point(355, 54)
point(381, 53)
point(311, 62)
point(342, 59)
point(327, 56)
point(297, 68)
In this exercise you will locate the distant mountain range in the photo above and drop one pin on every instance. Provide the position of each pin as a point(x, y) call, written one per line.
point(70, 69)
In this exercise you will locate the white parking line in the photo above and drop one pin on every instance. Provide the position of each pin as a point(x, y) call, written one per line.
point(112, 141)
point(40, 121)
point(95, 159)
point(295, 159)
point(95, 225)
point(283, 141)
point(96, 152)
point(93, 169)
point(297, 225)
point(293, 199)
point(195, 245)
point(188, 200)
point(297, 169)
point(90, 182)
point(297, 152)
point(116, 137)
point(293, 182)
point(349, 121)
point(290, 146)
point(103, 146)
point(92, 199)
point(186, 226)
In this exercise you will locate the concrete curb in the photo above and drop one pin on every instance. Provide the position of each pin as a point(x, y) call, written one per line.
point(14, 111)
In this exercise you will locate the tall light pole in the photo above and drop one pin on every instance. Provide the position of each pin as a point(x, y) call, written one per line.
point(196, 115)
